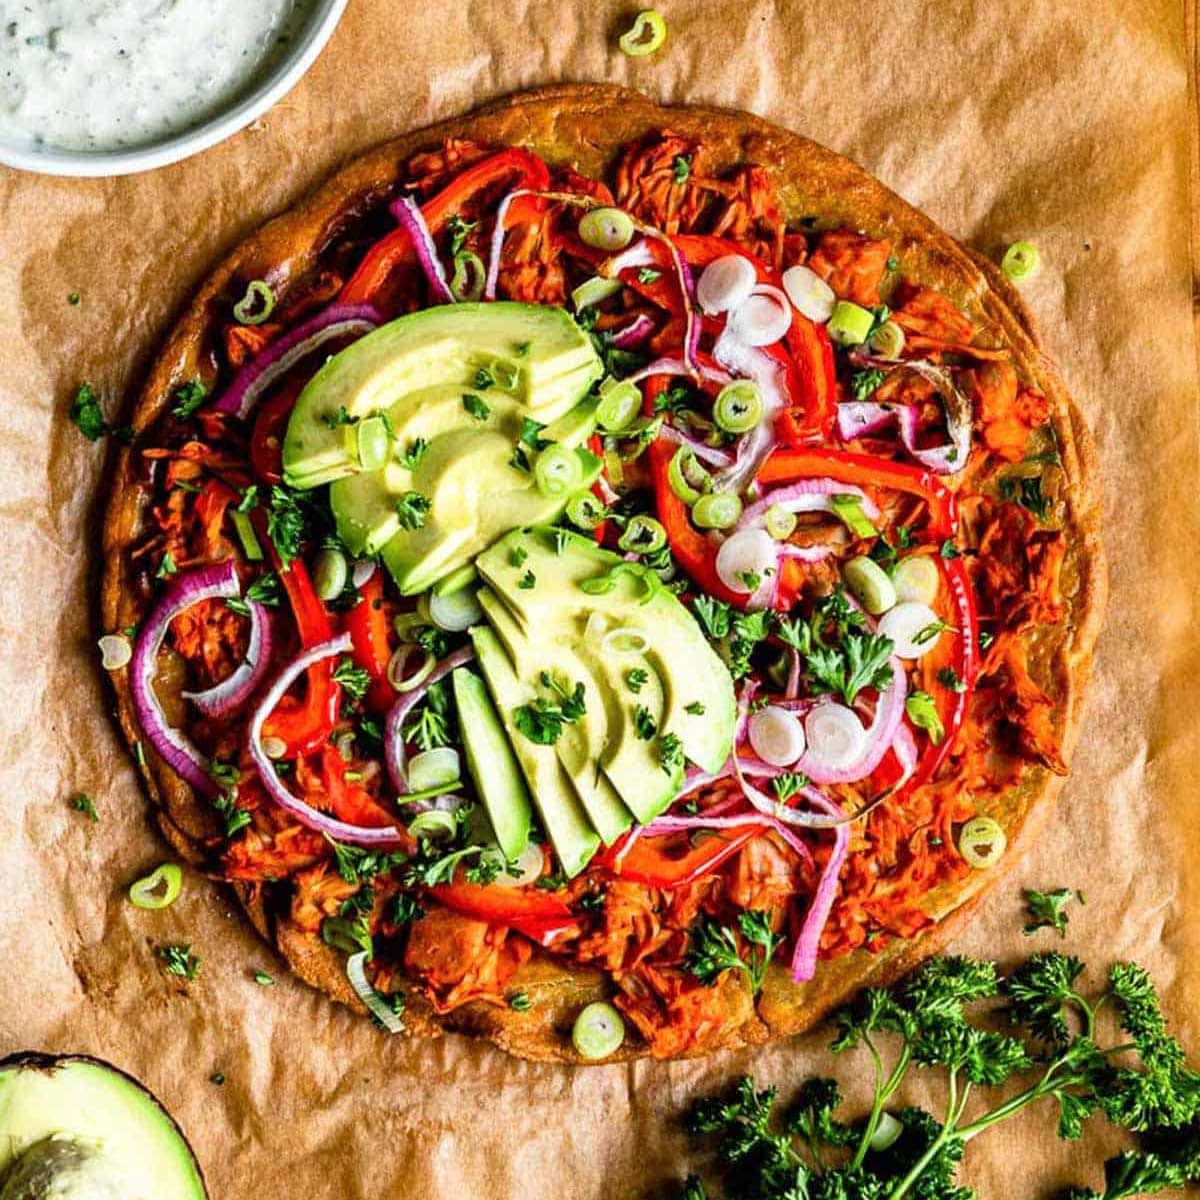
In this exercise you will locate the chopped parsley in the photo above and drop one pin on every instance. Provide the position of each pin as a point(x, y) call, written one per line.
point(681, 168)
point(636, 678)
point(166, 567)
point(179, 960)
point(644, 723)
point(949, 549)
point(520, 1002)
point(717, 948)
point(475, 406)
point(648, 275)
point(458, 230)
point(527, 581)
point(338, 419)
point(412, 508)
point(1027, 492)
point(431, 727)
point(787, 784)
point(414, 453)
point(82, 802)
point(948, 678)
point(1048, 910)
point(188, 398)
point(85, 412)
point(484, 379)
point(356, 680)
point(264, 590)
point(695, 708)
point(670, 753)
point(356, 864)
point(864, 383)
point(263, 979)
point(542, 720)
point(406, 910)
point(287, 523)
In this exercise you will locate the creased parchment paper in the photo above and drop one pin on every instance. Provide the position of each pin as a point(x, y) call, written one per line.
point(1069, 124)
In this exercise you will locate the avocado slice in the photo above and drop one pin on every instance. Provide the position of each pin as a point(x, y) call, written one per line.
point(583, 745)
point(699, 705)
point(492, 764)
point(563, 817)
point(78, 1126)
point(535, 352)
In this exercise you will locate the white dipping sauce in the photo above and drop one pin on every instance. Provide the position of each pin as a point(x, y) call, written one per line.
point(108, 74)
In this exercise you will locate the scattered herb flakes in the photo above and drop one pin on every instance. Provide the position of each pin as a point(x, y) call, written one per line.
point(520, 1002)
point(179, 960)
point(476, 406)
point(263, 979)
point(412, 508)
point(1048, 910)
point(85, 412)
point(188, 398)
point(82, 802)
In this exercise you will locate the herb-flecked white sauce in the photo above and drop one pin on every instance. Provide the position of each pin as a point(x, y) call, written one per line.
point(111, 74)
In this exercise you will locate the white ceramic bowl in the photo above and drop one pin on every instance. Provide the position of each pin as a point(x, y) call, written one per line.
point(283, 76)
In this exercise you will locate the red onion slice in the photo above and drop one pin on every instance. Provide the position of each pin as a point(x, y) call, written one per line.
point(668, 824)
point(861, 418)
point(408, 212)
point(231, 693)
point(889, 712)
point(308, 816)
point(176, 749)
point(904, 747)
point(393, 733)
point(808, 495)
point(336, 321)
point(804, 956)
point(633, 334)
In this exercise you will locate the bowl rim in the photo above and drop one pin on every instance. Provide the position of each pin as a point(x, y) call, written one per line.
point(87, 164)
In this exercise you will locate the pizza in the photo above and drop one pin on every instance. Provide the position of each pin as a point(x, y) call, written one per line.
point(606, 578)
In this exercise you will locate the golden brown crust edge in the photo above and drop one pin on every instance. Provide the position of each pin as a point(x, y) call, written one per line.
point(585, 124)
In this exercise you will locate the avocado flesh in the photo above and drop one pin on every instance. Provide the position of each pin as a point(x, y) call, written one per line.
point(77, 1128)
point(563, 817)
point(492, 763)
point(549, 360)
point(417, 372)
point(678, 656)
point(583, 745)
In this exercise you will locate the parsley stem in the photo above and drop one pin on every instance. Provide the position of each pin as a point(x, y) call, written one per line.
point(883, 1093)
point(954, 1110)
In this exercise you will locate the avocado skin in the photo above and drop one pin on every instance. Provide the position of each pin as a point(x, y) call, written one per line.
point(191, 1184)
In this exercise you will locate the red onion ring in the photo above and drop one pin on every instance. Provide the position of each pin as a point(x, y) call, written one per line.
point(231, 693)
point(668, 824)
point(175, 748)
point(336, 321)
point(904, 747)
point(804, 956)
point(408, 212)
point(310, 817)
point(393, 732)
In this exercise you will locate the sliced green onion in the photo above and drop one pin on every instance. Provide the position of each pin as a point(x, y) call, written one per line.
point(614, 468)
point(457, 580)
point(717, 510)
point(407, 625)
point(244, 528)
point(256, 305)
point(159, 889)
point(399, 662)
point(593, 290)
point(558, 471)
point(917, 579)
point(433, 768)
point(850, 323)
point(434, 825)
point(330, 574)
point(586, 511)
point(377, 1006)
point(620, 401)
point(115, 651)
point(779, 522)
point(738, 407)
point(373, 443)
point(888, 341)
point(606, 228)
point(848, 510)
point(886, 1132)
point(643, 535)
point(598, 1031)
point(455, 611)
point(1021, 260)
point(645, 36)
point(981, 842)
point(469, 276)
point(923, 713)
point(687, 478)
point(870, 584)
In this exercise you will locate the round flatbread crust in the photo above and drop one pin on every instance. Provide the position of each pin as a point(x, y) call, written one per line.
point(586, 125)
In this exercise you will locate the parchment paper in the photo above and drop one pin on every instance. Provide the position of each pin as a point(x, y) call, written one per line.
point(1070, 124)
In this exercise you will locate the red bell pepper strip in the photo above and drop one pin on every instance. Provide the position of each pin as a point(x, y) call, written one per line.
point(303, 726)
point(784, 466)
point(270, 425)
point(648, 862)
point(521, 168)
point(957, 651)
point(534, 913)
point(347, 800)
point(368, 627)
point(692, 550)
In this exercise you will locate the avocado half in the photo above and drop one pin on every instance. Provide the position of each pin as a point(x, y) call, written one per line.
point(75, 1127)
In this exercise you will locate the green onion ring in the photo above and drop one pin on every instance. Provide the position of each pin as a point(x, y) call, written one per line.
point(645, 36)
point(469, 276)
point(159, 889)
point(256, 305)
